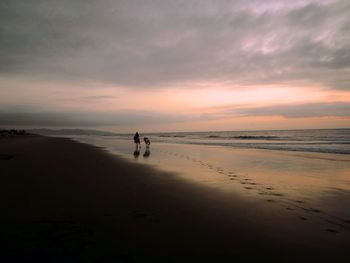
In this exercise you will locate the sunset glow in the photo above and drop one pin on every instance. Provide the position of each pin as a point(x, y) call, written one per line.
point(244, 65)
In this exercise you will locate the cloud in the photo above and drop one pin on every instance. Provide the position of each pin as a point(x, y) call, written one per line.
point(333, 109)
point(32, 117)
point(159, 43)
point(25, 116)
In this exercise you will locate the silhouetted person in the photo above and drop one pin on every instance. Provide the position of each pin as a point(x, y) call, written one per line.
point(137, 141)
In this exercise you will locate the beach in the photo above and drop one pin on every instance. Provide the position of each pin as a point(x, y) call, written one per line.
point(68, 201)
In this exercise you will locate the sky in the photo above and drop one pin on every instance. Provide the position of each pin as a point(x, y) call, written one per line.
point(175, 65)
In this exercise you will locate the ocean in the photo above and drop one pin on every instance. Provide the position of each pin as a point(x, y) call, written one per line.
point(317, 140)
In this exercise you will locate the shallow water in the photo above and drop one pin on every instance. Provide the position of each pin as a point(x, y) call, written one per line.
point(322, 140)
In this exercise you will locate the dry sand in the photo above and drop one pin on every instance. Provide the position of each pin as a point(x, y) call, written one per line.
point(64, 201)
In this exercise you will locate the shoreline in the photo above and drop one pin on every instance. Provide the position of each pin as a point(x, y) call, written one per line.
point(64, 200)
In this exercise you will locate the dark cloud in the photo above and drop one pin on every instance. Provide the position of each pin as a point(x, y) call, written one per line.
point(32, 117)
point(22, 116)
point(158, 42)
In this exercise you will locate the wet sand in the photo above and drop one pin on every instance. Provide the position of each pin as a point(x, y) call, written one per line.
point(64, 201)
point(303, 182)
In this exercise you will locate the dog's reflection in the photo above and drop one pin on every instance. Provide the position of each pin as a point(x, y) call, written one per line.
point(147, 152)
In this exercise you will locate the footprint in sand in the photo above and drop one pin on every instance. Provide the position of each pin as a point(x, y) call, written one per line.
point(331, 230)
point(270, 200)
point(315, 210)
point(299, 202)
point(107, 215)
point(249, 188)
point(288, 208)
point(268, 188)
point(302, 218)
point(277, 194)
point(6, 157)
point(69, 236)
point(115, 258)
point(140, 215)
point(144, 216)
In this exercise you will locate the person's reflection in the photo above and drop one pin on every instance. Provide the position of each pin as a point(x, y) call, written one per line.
point(136, 153)
point(147, 152)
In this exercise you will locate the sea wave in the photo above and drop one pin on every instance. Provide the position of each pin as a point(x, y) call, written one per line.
point(338, 148)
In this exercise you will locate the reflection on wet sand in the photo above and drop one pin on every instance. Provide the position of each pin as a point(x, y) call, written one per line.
point(147, 152)
point(311, 186)
point(136, 153)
